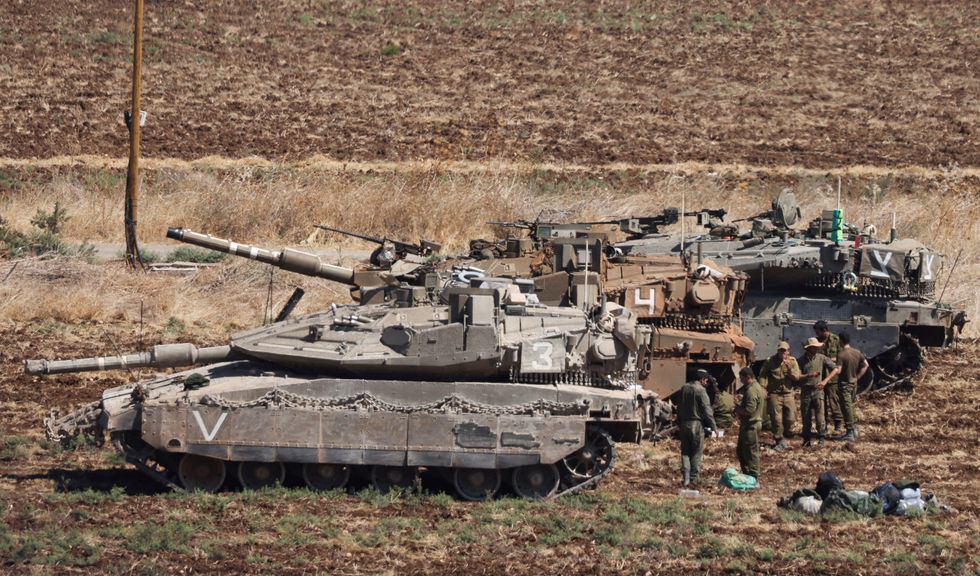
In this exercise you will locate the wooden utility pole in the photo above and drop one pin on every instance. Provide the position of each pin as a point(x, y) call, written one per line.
point(133, 171)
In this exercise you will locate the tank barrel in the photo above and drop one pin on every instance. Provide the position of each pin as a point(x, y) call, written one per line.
point(162, 356)
point(287, 259)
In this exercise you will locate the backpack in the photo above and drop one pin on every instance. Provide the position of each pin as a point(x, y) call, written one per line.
point(828, 482)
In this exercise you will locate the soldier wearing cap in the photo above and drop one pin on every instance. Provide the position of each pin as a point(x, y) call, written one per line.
point(778, 375)
point(694, 418)
point(817, 371)
point(831, 347)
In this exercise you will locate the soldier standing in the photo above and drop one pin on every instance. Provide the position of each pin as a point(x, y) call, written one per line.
point(724, 408)
point(749, 412)
point(831, 347)
point(694, 417)
point(853, 366)
point(778, 375)
point(817, 371)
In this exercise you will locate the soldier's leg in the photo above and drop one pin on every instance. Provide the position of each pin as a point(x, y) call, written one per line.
point(697, 448)
point(818, 407)
point(741, 448)
point(773, 403)
point(752, 447)
point(789, 414)
point(806, 411)
point(684, 435)
point(831, 396)
point(846, 404)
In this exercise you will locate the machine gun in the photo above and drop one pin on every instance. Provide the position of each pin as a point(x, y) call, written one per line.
point(389, 251)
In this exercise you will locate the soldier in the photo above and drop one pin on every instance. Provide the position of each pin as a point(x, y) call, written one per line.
point(723, 406)
point(749, 412)
point(817, 371)
point(694, 417)
point(831, 347)
point(778, 375)
point(853, 366)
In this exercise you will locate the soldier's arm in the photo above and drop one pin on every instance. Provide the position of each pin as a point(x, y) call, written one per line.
point(709, 414)
point(831, 370)
point(864, 367)
point(794, 374)
point(742, 408)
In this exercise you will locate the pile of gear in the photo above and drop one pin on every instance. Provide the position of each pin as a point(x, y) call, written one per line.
point(898, 498)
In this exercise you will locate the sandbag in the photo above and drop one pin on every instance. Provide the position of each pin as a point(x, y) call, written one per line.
point(731, 478)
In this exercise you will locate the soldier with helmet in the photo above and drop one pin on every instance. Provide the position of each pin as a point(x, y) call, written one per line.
point(779, 373)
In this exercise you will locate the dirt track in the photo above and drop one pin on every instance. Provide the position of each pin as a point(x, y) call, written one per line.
point(785, 83)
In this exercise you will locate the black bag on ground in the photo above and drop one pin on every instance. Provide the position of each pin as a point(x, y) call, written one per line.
point(828, 482)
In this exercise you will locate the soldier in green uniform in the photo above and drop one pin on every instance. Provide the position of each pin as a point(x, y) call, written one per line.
point(694, 418)
point(749, 412)
point(723, 406)
point(831, 347)
point(853, 366)
point(778, 375)
point(817, 371)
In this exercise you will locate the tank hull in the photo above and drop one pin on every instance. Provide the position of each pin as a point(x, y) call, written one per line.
point(245, 414)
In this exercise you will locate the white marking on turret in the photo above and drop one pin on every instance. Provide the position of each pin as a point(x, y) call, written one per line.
point(209, 436)
point(882, 264)
point(927, 263)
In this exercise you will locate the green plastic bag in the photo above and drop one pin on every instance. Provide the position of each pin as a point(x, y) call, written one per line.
point(731, 478)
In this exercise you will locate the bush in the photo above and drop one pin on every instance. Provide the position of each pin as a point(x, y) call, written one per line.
point(197, 255)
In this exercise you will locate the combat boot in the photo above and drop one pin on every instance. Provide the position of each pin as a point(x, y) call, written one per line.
point(820, 441)
point(781, 445)
point(806, 443)
point(849, 437)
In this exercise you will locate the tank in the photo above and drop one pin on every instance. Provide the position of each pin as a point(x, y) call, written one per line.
point(692, 307)
point(479, 384)
point(883, 292)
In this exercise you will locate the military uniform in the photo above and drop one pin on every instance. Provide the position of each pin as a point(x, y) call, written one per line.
point(831, 347)
point(724, 409)
point(811, 398)
point(778, 378)
point(694, 414)
point(750, 423)
point(850, 359)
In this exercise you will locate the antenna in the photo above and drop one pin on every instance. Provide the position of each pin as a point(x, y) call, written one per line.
point(683, 210)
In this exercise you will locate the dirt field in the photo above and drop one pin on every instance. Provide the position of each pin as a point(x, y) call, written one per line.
point(812, 84)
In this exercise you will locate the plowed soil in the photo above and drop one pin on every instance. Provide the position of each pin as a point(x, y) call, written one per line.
point(813, 84)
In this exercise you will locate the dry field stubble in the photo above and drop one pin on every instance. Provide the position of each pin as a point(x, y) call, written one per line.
point(277, 204)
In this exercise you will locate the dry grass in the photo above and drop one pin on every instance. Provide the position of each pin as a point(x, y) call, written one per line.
point(278, 204)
